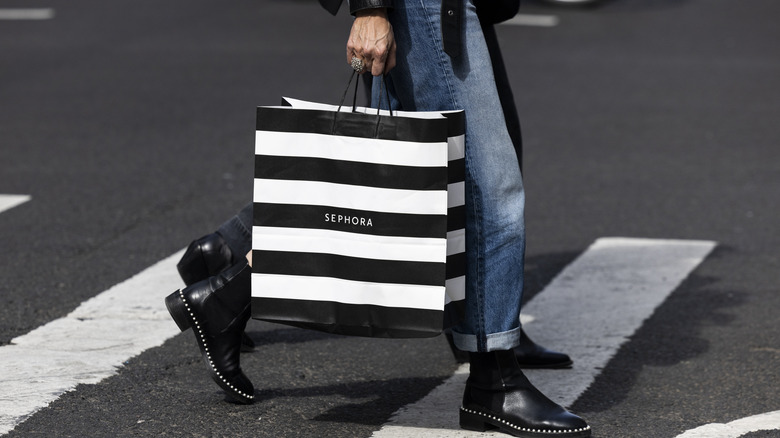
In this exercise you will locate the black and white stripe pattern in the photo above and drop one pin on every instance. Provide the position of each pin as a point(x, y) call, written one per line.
point(351, 230)
point(456, 219)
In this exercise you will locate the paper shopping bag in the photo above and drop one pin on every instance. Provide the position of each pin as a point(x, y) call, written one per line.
point(456, 210)
point(351, 221)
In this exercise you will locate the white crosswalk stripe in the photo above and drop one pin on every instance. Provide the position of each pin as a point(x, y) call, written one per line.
point(26, 14)
point(532, 20)
point(87, 345)
point(10, 201)
point(736, 428)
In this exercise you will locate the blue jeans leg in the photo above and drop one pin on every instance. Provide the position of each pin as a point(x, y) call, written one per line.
point(237, 233)
point(427, 79)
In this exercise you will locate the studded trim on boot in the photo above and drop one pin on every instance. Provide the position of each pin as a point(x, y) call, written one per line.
point(246, 395)
point(218, 309)
point(483, 421)
point(499, 396)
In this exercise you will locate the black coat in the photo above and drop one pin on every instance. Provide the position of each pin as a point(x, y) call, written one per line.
point(332, 6)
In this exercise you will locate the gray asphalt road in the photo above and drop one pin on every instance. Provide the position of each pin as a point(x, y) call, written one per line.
point(130, 123)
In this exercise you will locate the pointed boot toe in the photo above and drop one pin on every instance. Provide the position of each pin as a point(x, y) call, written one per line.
point(221, 359)
point(247, 344)
point(532, 355)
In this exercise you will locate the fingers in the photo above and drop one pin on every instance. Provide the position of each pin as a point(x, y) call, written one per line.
point(376, 61)
point(371, 40)
point(390, 62)
point(378, 69)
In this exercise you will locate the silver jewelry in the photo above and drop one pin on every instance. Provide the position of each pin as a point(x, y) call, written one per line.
point(357, 64)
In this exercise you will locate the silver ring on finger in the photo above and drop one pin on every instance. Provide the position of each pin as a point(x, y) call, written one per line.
point(357, 64)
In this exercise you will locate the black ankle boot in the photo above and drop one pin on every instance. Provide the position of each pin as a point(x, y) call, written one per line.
point(529, 354)
point(204, 258)
point(218, 309)
point(499, 396)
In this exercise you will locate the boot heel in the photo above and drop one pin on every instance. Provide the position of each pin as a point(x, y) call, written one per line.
point(473, 421)
point(178, 310)
point(192, 268)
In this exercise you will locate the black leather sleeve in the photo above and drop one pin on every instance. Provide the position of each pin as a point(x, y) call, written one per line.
point(331, 6)
point(358, 5)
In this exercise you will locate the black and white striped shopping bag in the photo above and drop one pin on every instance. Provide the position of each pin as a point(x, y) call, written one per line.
point(358, 225)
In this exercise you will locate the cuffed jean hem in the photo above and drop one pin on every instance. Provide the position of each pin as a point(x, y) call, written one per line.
point(237, 234)
point(495, 341)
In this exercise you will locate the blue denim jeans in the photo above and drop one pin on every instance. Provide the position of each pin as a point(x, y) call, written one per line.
point(427, 79)
point(237, 232)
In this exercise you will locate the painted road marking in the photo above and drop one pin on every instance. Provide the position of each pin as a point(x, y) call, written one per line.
point(26, 14)
point(737, 428)
point(87, 345)
point(589, 310)
point(11, 201)
point(533, 20)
